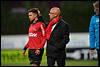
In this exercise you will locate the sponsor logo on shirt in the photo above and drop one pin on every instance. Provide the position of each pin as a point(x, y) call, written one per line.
point(32, 34)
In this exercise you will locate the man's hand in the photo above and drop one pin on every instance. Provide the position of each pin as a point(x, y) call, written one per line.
point(37, 52)
point(92, 53)
point(24, 52)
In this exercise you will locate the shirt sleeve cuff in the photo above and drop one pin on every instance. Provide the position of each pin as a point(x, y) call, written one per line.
point(24, 48)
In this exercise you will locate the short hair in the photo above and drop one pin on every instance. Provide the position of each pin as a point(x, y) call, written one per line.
point(34, 10)
point(96, 4)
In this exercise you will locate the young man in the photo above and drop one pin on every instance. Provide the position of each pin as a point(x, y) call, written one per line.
point(57, 33)
point(94, 29)
point(36, 35)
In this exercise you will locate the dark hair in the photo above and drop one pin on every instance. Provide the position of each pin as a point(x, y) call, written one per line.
point(96, 4)
point(34, 10)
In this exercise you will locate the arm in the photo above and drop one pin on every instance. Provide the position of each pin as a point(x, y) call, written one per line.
point(92, 34)
point(43, 35)
point(43, 29)
point(25, 48)
point(43, 39)
point(65, 39)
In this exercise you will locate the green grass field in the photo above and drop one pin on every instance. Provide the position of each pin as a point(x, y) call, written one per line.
point(14, 58)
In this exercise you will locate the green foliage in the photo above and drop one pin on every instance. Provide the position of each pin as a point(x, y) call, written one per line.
point(13, 57)
point(76, 13)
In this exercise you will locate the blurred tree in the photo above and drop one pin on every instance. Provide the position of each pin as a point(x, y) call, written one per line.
point(53, 4)
point(77, 14)
point(14, 19)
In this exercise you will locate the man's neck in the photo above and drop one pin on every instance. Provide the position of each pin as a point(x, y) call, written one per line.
point(35, 20)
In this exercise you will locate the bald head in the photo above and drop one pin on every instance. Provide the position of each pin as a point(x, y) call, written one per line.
point(54, 12)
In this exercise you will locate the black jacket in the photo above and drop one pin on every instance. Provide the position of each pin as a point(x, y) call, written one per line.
point(58, 40)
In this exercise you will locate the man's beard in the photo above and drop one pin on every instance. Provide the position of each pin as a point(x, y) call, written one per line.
point(53, 18)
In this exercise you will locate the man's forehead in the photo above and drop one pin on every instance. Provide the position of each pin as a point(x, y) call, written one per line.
point(54, 9)
point(31, 13)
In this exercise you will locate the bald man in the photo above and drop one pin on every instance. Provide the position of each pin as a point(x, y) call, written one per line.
point(57, 37)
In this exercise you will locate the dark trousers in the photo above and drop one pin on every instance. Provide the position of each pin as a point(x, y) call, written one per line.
point(51, 61)
point(98, 54)
point(33, 58)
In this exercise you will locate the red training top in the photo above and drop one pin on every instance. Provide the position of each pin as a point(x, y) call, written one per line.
point(36, 36)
